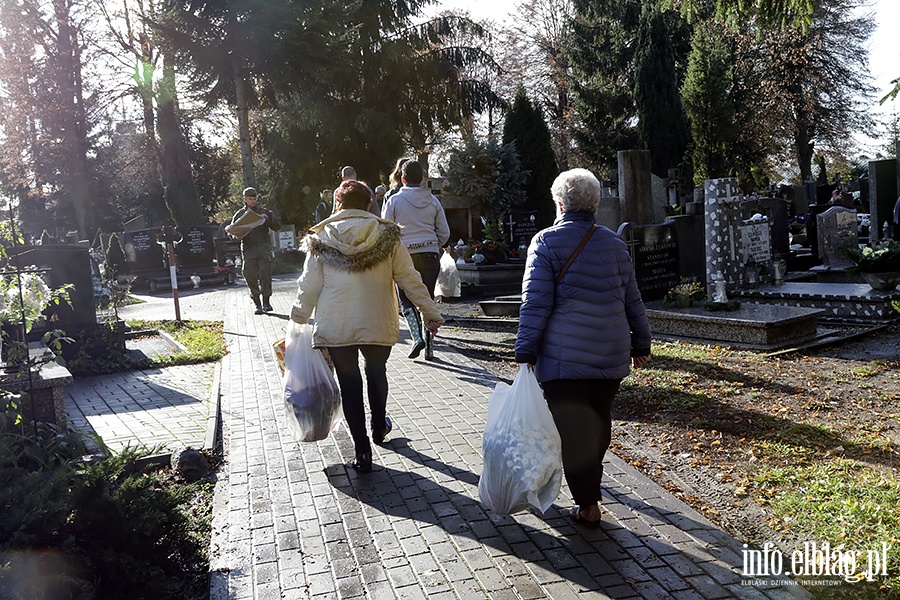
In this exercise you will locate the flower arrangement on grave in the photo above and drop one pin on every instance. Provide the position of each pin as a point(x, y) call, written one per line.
point(494, 245)
point(685, 293)
point(26, 306)
point(23, 298)
point(882, 256)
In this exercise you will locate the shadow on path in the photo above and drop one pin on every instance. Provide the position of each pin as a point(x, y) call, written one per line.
point(611, 558)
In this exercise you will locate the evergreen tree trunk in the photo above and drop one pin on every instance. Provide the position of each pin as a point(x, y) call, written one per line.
point(180, 192)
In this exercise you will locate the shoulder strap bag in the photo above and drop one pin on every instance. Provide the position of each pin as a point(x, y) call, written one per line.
point(575, 254)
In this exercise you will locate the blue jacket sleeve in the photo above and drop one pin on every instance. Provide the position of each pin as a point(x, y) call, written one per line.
point(538, 297)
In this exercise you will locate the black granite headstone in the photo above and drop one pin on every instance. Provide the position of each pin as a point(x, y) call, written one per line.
point(65, 263)
point(142, 253)
point(654, 251)
point(197, 247)
point(522, 227)
point(777, 210)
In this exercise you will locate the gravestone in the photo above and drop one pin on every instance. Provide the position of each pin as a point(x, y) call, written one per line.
point(777, 210)
point(654, 252)
point(197, 247)
point(284, 240)
point(523, 226)
point(882, 194)
point(142, 253)
point(635, 186)
point(691, 245)
point(722, 221)
point(65, 263)
point(801, 200)
point(812, 226)
point(837, 232)
point(755, 241)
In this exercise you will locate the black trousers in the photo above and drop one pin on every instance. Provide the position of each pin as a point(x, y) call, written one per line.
point(428, 264)
point(346, 366)
point(581, 410)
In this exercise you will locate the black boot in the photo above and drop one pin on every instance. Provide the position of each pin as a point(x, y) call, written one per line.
point(415, 331)
point(258, 304)
point(266, 306)
point(362, 462)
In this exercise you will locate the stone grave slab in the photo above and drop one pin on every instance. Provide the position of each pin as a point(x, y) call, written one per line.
point(502, 306)
point(756, 325)
point(848, 302)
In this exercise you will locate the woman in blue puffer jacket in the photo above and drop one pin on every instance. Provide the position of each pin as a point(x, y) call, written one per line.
point(581, 333)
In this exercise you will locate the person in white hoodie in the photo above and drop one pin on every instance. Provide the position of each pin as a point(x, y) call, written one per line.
point(424, 231)
point(353, 259)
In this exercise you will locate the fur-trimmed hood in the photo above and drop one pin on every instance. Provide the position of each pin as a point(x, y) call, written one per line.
point(352, 240)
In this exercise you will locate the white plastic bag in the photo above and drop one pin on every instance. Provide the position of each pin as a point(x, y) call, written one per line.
point(312, 399)
point(522, 449)
point(447, 285)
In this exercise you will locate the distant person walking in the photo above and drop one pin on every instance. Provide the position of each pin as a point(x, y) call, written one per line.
point(582, 323)
point(396, 177)
point(256, 250)
point(349, 174)
point(424, 231)
point(353, 259)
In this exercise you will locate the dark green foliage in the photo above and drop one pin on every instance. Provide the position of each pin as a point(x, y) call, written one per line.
point(769, 13)
point(601, 55)
point(490, 174)
point(212, 168)
point(103, 530)
point(525, 127)
point(391, 86)
point(708, 103)
point(662, 126)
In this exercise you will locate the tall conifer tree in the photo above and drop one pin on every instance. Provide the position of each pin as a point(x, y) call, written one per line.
point(662, 126)
point(526, 128)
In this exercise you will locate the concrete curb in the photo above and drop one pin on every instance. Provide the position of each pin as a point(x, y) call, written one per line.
point(214, 420)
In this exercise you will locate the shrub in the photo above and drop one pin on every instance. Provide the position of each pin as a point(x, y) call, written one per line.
point(93, 529)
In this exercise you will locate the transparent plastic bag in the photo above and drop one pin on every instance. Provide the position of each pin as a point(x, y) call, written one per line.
point(521, 447)
point(447, 285)
point(312, 399)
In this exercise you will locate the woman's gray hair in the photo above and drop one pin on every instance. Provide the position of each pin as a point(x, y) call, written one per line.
point(578, 190)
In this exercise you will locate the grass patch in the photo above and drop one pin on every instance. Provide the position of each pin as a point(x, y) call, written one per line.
point(204, 340)
point(869, 370)
point(841, 502)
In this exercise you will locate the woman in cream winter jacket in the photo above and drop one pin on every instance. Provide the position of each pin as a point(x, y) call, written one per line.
point(353, 259)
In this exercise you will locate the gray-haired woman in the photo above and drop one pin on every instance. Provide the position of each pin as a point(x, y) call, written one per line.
point(581, 332)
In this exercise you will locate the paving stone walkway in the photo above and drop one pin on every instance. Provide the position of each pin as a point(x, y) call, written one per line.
point(292, 522)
